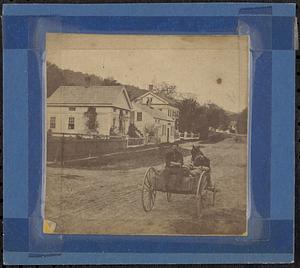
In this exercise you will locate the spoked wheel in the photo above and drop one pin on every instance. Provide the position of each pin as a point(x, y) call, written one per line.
point(169, 197)
point(202, 192)
point(214, 194)
point(148, 190)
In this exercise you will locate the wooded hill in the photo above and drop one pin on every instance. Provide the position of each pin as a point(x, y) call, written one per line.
point(57, 77)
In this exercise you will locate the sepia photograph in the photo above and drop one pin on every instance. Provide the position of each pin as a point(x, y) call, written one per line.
point(146, 134)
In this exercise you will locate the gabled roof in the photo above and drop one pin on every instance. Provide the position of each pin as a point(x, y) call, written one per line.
point(161, 97)
point(154, 112)
point(154, 95)
point(94, 95)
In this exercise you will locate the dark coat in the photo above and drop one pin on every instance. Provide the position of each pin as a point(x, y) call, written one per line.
point(173, 155)
point(201, 160)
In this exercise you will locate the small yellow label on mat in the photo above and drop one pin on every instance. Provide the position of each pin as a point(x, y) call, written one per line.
point(49, 226)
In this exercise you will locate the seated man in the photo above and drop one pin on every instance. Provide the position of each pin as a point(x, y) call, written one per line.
point(173, 171)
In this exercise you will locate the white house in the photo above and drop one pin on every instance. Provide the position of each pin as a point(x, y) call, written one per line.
point(148, 119)
point(160, 103)
point(84, 110)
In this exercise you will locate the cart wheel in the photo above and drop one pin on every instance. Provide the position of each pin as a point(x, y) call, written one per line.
point(148, 191)
point(201, 193)
point(169, 197)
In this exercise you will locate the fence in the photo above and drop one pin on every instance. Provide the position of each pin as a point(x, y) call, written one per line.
point(87, 136)
point(132, 142)
point(189, 136)
point(177, 136)
point(64, 147)
point(67, 146)
point(152, 140)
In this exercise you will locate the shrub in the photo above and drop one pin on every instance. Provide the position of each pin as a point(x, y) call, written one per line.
point(133, 131)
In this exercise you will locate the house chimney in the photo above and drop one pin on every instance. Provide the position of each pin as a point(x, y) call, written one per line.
point(150, 87)
point(87, 81)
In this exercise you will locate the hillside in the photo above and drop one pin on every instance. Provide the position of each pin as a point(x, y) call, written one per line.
point(57, 77)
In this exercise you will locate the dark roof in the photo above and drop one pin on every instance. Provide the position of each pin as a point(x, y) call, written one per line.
point(134, 92)
point(172, 102)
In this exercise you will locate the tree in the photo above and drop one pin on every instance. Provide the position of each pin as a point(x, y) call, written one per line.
point(187, 110)
point(201, 124)
point(242, 121)
point(217, 116)
point(91, 122)
point(151, 130)
point(133, 132)
point(198, 118)
point(110, 81)
point(87, 81)
point(55, 78)
point(165, 89)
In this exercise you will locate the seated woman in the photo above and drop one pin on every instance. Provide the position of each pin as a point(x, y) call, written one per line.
point(199, 163)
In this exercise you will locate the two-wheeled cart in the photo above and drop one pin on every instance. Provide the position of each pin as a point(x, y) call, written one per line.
point(155, 181)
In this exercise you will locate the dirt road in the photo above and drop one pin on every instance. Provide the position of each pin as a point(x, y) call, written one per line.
point(83, 201)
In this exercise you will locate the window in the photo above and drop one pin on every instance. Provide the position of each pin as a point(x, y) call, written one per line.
point(149, 101)
point(52, 122)
point(115, 109)
point(71, 124)
point(72, 108)
point(114, 122)
point(139, 116)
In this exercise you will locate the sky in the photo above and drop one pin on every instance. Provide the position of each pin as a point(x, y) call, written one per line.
point(213, 69)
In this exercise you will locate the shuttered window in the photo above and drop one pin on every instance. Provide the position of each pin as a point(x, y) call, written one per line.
point(52, 122)
point(71, 124)
point(139, 116)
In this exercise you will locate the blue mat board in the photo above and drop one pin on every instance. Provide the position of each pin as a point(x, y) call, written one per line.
point(271, 222)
